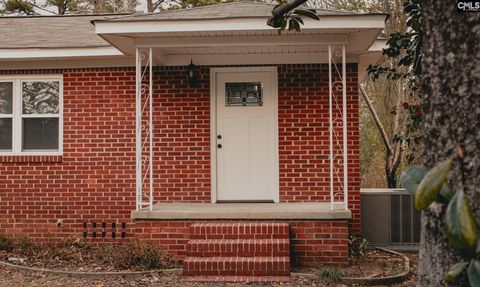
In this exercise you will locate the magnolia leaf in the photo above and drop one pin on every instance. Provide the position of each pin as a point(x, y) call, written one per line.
point(298, 19)
point(296, 24)
point(290, 25)
point(293, 24)
point(310, 13)
point(460, 224)
point(282, 26)
point(446, 193)
point(431, 184)
point(411, 178)
point(477, 220)
point(455, 271)
point(474, 273)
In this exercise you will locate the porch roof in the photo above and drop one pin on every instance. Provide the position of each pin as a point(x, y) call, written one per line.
point(291, 211)
point(237, 33)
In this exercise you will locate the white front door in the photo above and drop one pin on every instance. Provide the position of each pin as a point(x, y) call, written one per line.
point(246, 135)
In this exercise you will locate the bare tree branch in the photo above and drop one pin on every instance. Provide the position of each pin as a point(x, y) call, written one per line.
point(399, 148)
point(379, 124)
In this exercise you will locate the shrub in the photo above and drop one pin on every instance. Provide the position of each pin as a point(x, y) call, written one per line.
point(25, 245)
point(142, 255)
point(357, 246)
point(331, 273)
point(6, 244)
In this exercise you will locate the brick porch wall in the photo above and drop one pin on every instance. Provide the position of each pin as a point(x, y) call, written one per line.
point(313, 242)
point(94, 181)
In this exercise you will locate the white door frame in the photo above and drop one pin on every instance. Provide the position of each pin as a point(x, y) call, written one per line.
point(213, 123)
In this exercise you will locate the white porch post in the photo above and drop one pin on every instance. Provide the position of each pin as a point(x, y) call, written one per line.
point(344, 122)
point(338, 145)
point(330, 117)
point(138, 127)
point(144, 99)
point(150, 125)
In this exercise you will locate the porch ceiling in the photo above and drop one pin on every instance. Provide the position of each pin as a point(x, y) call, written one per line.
point(293, 211)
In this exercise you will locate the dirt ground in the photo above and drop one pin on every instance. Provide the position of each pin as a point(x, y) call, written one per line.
point(375, 263)
point(15, 278)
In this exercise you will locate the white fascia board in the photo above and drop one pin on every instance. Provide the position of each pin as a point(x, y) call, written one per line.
point(378, 45)
point(56, 53)
point(235, 24)
point(67, 63)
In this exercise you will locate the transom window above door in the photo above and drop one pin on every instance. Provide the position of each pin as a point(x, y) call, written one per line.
point(31, 115)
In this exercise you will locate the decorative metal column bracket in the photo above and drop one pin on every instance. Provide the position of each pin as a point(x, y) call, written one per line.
point(338, 145)
point(144, 137)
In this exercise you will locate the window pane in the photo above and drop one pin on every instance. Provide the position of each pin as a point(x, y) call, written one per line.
point(5, 134)
point(6, 90)
point(40, 133)
point(243, 94)
point(40, 97)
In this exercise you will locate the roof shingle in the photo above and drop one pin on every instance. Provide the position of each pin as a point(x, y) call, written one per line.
point(77, 31)
point(237, 9)
point(50, 32)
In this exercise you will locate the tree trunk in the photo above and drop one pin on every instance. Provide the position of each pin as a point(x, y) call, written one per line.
point(451, 103)
point(149, 6)
point(391, 178)
point(393, 156)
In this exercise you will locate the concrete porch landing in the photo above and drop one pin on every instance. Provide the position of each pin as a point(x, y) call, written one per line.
point(293, 210)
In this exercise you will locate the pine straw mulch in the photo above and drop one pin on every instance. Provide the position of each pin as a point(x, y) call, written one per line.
point(78, 256)
point(374, 264)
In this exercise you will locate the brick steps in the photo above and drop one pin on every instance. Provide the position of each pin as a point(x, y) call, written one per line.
point(235, 279)
point(237, 266)
point(238, 247)
point(239, 231)
point(238, 252)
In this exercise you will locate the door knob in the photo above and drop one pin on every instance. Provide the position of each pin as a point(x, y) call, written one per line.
point(219, 145)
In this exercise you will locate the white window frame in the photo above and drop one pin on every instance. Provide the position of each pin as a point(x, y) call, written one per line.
point(17, 115)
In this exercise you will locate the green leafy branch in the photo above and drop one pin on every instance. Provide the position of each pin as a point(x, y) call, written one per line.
point(406, 47)
point(462, 226)
point(293, 19)
point(287, 14)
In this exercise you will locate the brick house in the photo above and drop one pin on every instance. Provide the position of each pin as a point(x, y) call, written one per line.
point(196, 129)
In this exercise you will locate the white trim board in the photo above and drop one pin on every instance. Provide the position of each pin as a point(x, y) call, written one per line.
point(235, 24)
point(75, 63)
point(56, 53)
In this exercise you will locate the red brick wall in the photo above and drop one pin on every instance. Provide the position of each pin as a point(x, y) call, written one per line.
point(312, 242)
point(303, 119)
point(94, 181)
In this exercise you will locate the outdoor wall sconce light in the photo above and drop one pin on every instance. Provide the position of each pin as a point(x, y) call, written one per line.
point(192, 75)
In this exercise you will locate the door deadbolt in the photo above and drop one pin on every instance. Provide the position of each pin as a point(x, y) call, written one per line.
point(219, 137)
